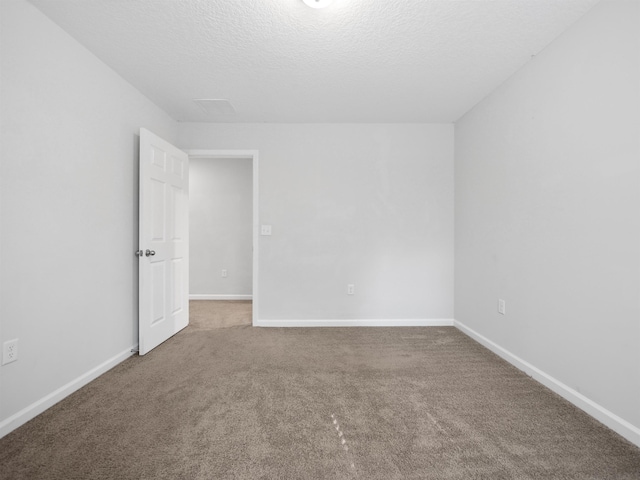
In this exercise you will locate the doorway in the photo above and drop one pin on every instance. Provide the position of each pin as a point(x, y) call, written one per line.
point(224, 226)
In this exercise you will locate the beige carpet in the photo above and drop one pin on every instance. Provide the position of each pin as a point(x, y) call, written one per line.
point(379, 403)
point(208, 315)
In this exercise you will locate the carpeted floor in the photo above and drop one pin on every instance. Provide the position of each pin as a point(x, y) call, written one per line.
point(316, 403)
point(208, 315)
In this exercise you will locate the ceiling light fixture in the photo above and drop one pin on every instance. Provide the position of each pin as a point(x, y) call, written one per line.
point(317, 3)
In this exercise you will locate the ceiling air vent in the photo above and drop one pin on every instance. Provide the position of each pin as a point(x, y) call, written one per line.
point(215, 106)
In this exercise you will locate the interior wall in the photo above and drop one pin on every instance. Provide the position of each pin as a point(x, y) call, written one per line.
point(220, 223)
point(548, 211)
point(69, 197)
point(367, 204)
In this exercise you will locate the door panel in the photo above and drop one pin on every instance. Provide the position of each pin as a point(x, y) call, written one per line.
point(164, 241)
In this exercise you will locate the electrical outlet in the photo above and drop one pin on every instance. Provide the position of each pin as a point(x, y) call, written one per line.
point(502, 307)
point(224, 273)
point(10, 351)
point(265, 230)
point(351, 289)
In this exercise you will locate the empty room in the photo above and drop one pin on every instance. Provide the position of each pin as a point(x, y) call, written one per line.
point(320, 239)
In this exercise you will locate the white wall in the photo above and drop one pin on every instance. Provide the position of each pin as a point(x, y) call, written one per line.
point(370, 205)
point(69, 210)
point(548, 212)
point(220, 227)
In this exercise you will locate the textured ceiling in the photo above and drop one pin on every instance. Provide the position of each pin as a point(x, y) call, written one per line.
point(281, 61)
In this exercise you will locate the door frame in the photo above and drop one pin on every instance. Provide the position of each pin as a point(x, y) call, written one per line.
point(252, 155)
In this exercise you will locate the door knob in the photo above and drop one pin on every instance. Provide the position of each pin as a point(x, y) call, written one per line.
point(150, 253)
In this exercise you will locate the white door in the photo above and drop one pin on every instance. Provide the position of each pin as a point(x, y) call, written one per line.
point(164, 241)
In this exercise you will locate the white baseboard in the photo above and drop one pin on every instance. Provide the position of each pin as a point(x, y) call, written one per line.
point(36, 408)
point(611, 420)
point(406, 322)
point(198, 296)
